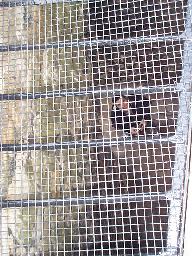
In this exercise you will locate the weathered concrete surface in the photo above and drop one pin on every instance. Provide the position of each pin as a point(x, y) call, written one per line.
point(16, 76)
point(36, 174)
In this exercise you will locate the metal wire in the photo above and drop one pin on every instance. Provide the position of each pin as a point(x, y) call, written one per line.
point(83, 201)
point(75, 178)
point(92, 43)
point(86, 144)
point(92, 91)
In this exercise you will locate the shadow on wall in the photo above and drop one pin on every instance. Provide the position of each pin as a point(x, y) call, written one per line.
point(149, 64)
point(127, 228)
point(130, 169)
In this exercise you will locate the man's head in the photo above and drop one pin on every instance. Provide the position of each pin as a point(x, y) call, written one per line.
point(121, 102)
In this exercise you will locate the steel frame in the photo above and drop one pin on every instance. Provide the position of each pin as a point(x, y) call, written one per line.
point(179, 170)
point(91, 43)
point(94, 91)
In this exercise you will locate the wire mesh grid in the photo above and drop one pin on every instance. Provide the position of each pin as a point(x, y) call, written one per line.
point(94, 122)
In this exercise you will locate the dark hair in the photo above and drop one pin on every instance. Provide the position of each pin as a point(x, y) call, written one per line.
point(117, 97)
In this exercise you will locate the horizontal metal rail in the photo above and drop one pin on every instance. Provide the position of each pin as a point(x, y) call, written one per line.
point(44, 2)
point(92, 143)
point(91, 43)
point(92, 91)
point(125, 198)
point(38, 2)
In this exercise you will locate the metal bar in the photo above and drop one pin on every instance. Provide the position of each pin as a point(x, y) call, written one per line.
point(85, 200)
point(92, 91)
point(174, 224)
point(91, 43)
point(187, 209)
point(92, 143)
point(44, 2)
point(33, 2)
point(38, 2)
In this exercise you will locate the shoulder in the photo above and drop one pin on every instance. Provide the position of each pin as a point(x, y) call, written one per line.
point(115, 111)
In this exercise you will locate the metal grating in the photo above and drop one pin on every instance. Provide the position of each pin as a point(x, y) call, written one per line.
point(71, 183)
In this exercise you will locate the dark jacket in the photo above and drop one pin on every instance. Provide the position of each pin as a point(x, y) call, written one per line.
point(139, 109)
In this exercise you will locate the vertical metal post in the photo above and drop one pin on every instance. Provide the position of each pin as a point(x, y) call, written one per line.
point(187, 224)
point(179, 169)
